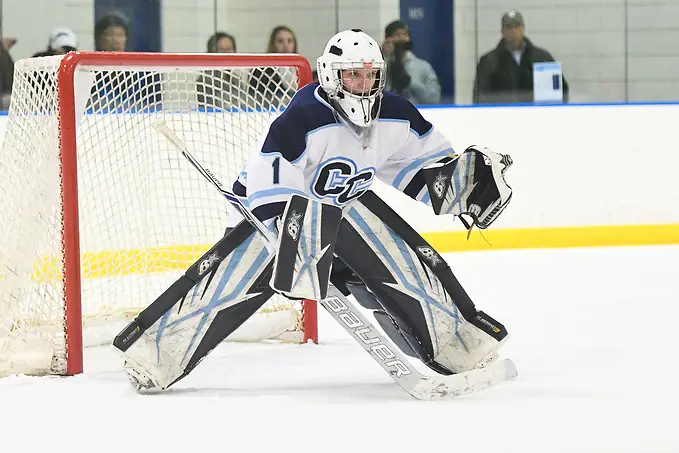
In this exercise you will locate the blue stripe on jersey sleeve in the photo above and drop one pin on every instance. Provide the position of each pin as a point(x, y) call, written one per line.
point(274, 192)
point(287, 134)
point(395, 108)
point(417, 163)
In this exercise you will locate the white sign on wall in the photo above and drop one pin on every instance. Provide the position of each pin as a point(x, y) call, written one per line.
point(547, 82)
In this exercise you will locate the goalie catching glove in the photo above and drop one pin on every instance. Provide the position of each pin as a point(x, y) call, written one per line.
point(472, 184)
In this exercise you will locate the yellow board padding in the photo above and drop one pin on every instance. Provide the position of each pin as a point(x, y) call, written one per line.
point(109, 263)
point(173, 258)
point(549, 238)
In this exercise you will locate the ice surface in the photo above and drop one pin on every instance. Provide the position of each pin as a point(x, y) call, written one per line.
point(593, 335)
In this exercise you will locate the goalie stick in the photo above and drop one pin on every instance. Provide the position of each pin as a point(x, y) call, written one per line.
point(342, 310)
point(162, 128)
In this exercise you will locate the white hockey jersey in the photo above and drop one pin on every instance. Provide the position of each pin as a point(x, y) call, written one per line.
point(310, 150)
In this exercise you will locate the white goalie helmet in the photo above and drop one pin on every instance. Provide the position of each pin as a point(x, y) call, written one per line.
point(360, 55)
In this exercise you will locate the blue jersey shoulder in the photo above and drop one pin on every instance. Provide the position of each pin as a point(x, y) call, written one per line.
point(395, 107)
point(305, 113)
point(314, 111)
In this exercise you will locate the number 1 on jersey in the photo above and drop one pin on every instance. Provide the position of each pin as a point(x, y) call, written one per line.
point(276, 170)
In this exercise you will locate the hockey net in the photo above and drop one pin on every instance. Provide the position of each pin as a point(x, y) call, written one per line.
point(101, 214)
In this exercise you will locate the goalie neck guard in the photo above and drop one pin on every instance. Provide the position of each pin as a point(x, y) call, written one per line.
point(355, 54)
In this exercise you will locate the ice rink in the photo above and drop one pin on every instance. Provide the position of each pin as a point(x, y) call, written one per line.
point(593, 334)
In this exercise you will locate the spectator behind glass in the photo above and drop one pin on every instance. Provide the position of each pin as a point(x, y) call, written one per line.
point(121, 90)
point(61, 41)
point(282, 40)
point(272, 85)
point(407, 75)
point(220, 89)
point(110, 34)
point(221, 42)
point(505, 74)
point(6, 72)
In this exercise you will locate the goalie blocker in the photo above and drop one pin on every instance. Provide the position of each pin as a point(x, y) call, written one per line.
point(306, 240)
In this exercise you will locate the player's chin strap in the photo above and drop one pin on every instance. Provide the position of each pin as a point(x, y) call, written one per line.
point(472, 184)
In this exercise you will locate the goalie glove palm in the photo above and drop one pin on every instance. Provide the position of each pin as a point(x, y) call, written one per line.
point(473, 184)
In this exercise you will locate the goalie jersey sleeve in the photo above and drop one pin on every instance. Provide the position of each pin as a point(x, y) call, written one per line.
point(308, 150)
point(421, 145)
point(276, 169)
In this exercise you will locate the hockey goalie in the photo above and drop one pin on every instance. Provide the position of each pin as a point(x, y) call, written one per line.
point(315, 230)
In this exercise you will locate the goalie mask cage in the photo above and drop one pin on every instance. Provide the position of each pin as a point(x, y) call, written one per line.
point(101, 214)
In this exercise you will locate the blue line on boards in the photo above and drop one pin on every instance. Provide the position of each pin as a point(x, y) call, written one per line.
point(568, 104)
point(454, 106)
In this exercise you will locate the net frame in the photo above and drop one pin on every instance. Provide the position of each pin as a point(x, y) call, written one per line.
point(68, 171)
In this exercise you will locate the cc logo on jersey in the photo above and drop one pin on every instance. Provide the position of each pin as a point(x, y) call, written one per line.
point(339, 180)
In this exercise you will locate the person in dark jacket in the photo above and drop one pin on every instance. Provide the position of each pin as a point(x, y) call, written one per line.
point(408, 75)
point(505, 74)
point(124, 90)
point(6, 74)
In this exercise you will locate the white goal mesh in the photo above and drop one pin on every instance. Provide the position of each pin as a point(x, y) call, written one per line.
point(140, 215)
